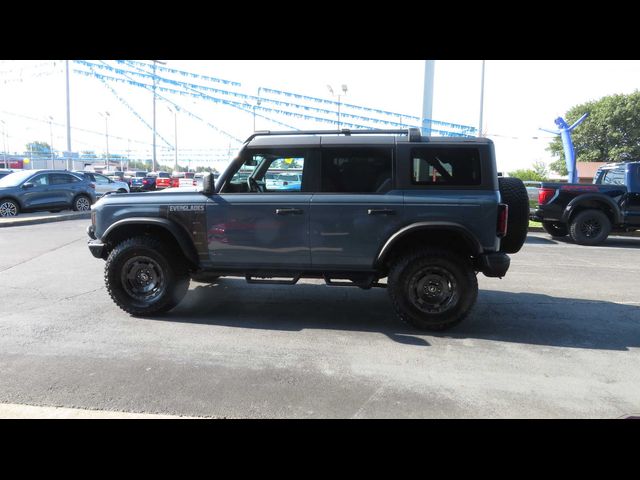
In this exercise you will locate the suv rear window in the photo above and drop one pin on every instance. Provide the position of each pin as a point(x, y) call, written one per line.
point(445, 166)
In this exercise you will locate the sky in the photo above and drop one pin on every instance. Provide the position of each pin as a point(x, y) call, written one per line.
point(520, 97)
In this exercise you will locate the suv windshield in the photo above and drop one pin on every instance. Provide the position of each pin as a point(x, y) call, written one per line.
point(16, 178)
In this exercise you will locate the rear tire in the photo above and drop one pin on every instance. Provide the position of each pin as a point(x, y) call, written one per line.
point(555, 229)
point(432, 289)
point(143, 279)
point(590, 227)
point(514, 194)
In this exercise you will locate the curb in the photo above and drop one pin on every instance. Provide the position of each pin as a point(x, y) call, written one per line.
point(16, 222)
point(35, 412)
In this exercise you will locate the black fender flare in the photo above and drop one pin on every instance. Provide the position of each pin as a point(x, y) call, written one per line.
point(470, 239)
point(591, 197)
point(178, 233)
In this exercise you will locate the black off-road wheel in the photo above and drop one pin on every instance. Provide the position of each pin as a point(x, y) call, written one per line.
point(555, 229)
point(590, 227)
point(432, 289)
point(514, 194)
point(144, 278)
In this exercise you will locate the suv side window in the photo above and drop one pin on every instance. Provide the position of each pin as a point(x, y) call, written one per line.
point(40, 180)
point(348, 170)
point(62, 178)
point(614, 177)
point(100, 179)
point(274, 170)
point(445, 166)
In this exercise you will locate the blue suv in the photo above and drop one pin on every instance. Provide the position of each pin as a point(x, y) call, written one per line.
point(425, 213)
point(53, 190)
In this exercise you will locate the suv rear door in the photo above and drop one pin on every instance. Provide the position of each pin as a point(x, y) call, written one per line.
point(355, 207)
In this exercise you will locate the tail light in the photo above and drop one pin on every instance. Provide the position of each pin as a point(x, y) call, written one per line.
point(92, 185)
point(503, 218)
point(545, 194)
point(195, 183)
point(145, 181)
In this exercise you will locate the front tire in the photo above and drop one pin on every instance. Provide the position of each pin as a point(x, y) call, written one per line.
point(432, 289)
point(143, 279)
point(590, 227)
point(9, 208)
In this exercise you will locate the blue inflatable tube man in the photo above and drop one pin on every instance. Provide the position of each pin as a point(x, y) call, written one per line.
point(564, 130)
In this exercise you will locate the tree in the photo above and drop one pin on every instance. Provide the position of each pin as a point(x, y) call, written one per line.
point(37, 148)
point(611, 133)
point(538, 173)
point(527, 174)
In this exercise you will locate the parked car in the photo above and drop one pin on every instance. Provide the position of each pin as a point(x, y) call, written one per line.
point(115, 175)
point(182, 179)
point(163, 179)
point(426, 213)
point(36, 190)
point(134, 179)
point(589, 212)
point(148, 183)
point(103, 183)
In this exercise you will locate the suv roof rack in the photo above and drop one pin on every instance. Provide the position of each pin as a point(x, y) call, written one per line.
point(412, 132)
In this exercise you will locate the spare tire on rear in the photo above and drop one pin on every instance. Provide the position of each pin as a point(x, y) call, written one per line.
point(514, 194)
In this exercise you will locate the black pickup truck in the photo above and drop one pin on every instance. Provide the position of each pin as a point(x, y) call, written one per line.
point(589, 212)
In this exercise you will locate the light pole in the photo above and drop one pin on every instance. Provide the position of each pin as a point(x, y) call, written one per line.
point(53, 165)
point(481, 101)
point(175, 133)
point(258, 103)
point(69, 160)
point(4, 141)
point(344, 91)
point(106, 116)
point(155, 62)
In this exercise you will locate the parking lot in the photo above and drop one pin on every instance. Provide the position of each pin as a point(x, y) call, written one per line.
point(558, 337)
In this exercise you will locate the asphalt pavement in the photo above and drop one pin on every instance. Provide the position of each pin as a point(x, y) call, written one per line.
point(558, 337)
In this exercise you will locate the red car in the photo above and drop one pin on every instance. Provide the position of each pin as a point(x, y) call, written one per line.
point(163, 179)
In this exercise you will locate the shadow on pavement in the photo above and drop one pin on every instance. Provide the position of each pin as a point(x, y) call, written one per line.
point(525, 318)
point(612, 241)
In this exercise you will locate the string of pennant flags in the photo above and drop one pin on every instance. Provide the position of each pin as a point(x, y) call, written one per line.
point(262, 106)
point(244, 107)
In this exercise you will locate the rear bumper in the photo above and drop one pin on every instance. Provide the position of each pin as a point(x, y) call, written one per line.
point(493, 264)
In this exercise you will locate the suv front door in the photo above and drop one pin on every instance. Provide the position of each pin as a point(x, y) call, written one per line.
point(249, 224)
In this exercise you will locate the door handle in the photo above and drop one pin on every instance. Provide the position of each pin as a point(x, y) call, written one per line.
point(289, 211)
point(381, 211)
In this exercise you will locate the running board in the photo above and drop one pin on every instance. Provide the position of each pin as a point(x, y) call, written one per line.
point(365, 283)
point(268, 281)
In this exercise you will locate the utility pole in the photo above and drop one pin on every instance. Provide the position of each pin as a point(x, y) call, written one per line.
point(106, 116)
point(427, 98)
point(155, 62)
point(481, 101)
point(175, 134)
point(344, 90)
point(69, 160)
point(53, 164)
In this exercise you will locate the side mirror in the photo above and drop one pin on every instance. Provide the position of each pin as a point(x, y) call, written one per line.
point(28, 185)
point(208, 184)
